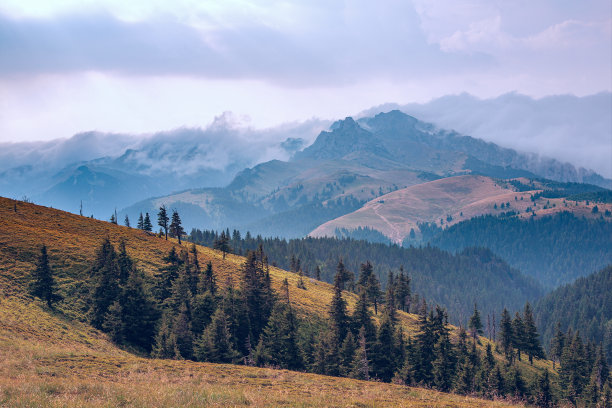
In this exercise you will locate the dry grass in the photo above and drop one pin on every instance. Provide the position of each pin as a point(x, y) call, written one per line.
point(50, 359)
point(461, 197)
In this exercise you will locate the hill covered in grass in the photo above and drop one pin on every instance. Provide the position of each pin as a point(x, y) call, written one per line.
point(54, 357)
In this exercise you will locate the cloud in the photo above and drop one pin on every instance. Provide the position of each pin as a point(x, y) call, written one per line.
point(351, 43)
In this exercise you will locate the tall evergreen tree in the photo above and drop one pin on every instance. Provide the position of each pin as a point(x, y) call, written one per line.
point(105, 278)
point(126, 221)
point(256, 293)
point(278, 344)
point(140, 224)
point(475, 323)
point(216, 344)
point(518, 335)
point(167, 274)
point(444, 363)
point(543, 392)
point(176, 227)
point(506, 335)
point(532, 344)
point(43, 284)
point(147, 226)
point(162, 219)
point(222, 244)
point(361, 364)
point(556, 345)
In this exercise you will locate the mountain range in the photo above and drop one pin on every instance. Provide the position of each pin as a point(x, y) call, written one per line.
point(354, 162)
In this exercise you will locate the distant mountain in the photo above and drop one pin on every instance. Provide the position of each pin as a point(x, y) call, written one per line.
point(352, 163)
point(567, 127)
point(107, 171)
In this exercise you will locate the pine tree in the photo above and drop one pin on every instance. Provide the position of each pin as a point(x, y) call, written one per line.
point(176, 228)
point(444, 364)
point(165, 340)
point(556, 345)
point(347, 355)
point(475, 323)
point(543, 392)
point(342, 276)
point(167, 274)
point(222, 244)
point(43, 283)
point(338, 316)
point(105, 275)
point(278, 344)
point(140, 224)
point(139, 312)
point(518, 335)
point(373, 291)
point(506, 335)
point(147, 226)
point(162, 219)
point(113, 322)
point(126, 221)
point(215, 344)
point(532, 345)
point(403, 291)
point(181, 329)
point(318, 273)
point(425, 341)
point(361, 364)
point(256, 292)
point(382, 355)
point(362, 318)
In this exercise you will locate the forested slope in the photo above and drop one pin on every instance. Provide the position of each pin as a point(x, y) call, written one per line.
point(584, 306)
point(554, 250)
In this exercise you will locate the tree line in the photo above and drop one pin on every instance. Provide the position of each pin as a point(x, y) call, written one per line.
point(182, 312)
point(454, 281)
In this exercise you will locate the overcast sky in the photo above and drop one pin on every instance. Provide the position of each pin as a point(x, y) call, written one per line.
point(141, 66)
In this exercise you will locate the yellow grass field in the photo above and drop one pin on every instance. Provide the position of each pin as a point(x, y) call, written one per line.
point(52, 359)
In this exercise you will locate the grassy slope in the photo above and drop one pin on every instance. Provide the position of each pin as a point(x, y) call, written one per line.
point(462, 197)
point(52, 359)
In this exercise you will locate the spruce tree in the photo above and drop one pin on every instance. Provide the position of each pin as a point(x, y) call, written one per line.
point(147, 226)
point(543, 392)
point(278, 345)
point(222, 244)
point(162, 219)
point(556, 345)
point(444, 364)
point(532, 345)
point(347, 355)
point(167, 275)
point(518, 335)
point(475, 323)
point(140, 224)
point(383, 352)
point(105, 276)
point(506, 335)
point(361, 364)
point(176, 227)
point(216, 344)
point(139, 312)
point(126, 221)
point(43, 283)
point(338, 315)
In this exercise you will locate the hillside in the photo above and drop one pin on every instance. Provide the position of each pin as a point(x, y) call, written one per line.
point(554, 249)
point(80, 364)
point(584, 306)
point(51, 361)
point(352, 163)
point(454, 281)
point(451, 200)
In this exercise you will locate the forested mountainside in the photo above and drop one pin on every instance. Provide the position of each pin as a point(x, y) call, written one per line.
point(452, 281)
point(584, 306)
point(553, 249)
point(160, 298)
point(354, 162)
